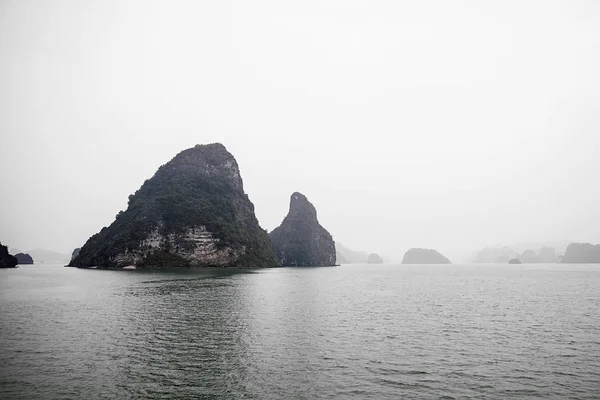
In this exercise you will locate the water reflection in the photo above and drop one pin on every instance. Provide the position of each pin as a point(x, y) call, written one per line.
point(184, 333)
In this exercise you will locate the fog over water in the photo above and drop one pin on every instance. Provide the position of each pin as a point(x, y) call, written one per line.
point(449, 125)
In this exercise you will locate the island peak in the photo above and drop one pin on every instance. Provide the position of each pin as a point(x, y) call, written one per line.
point(300, 240)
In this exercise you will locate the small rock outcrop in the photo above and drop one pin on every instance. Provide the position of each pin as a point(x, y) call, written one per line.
point(374, 259)
point(424, 256)
point(6, 260)
point(24, 258)
point(192, 213)
point(514, 261)
point(300, 240)
point(75, 253)
point(581, 253)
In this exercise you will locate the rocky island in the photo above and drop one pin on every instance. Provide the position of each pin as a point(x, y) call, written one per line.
point(374, 259)
point(300, 240)
point(581, 253)
point(192, 213)
point(6, 260)
point(424, 256)
point(24, 258)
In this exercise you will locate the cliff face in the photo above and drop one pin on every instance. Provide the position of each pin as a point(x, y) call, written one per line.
point(300, 240)
point(6, 260)
point(24, 258)
point(192, 212)
point(424, 256)
point(581, 253)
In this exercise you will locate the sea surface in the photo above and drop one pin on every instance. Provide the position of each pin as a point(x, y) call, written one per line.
point(348, 332)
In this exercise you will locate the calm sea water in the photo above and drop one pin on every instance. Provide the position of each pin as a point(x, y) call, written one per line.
point(357, 331)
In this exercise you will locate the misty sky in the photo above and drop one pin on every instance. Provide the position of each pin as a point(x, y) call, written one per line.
point(444, 124)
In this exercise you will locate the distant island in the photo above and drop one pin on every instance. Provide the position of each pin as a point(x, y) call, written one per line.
point(47, 256)
point(581, 253)
point(374, 259)
point(344, 255)
point(6, 260)
point(192, 213)
point(300, 240)
point(504, 254)
point(424, 256)
point(514, 261)
point(24, 258)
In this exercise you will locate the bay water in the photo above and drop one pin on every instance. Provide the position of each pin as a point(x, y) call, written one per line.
point(349, 332)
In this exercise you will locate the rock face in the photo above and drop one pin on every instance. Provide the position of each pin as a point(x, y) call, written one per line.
point(192, 212)
point(374, 259)
point(424, 256)
point(6, 260)
point(24, 258)
point(581, 253)
point(300, 240)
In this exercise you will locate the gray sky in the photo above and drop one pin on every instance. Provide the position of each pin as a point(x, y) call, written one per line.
point(443, 124)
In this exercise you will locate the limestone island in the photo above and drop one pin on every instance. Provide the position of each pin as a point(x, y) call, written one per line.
point(374, 259)
point(24, 258)
point(300, 241)
point(424, 256)
point(581, 253)
point(192, 213)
